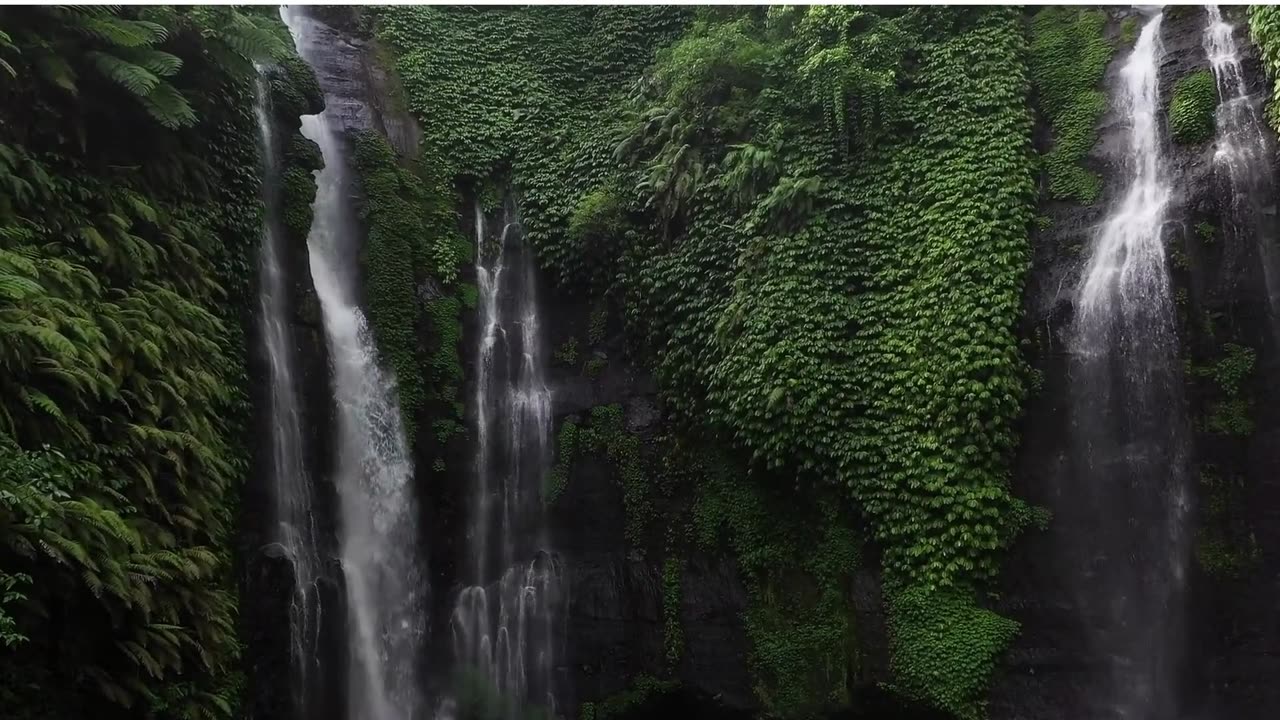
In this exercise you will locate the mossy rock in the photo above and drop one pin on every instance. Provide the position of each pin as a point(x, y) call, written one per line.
point(1195, 98)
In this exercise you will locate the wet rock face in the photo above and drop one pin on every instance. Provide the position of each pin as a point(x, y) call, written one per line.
point(360, 94)
point(614, 622)
point(1233, 649)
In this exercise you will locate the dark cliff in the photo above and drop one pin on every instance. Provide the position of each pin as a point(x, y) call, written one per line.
point(1234, 639)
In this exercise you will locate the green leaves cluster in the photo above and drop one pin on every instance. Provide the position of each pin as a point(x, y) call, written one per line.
point(129, 217)
point(1228, 411)
point(1191, 109)
point(798, 567)
point(1067, 60)
point(604, 431)
point(815, 220)
point(1264, 28)
point(130, 50)
point(411, 238)
point(944, 648)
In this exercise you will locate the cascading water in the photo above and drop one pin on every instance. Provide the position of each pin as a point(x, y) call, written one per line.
point(378, 540)
point(1241, 157)
point(1127, 433)
point(295, 525)
point(502, 622)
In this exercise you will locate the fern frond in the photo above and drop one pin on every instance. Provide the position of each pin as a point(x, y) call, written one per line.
point(169, 107)
point(134, 78)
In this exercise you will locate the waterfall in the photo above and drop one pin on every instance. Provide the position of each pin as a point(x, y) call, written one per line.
point(295, 532)
point(1241, 157)
point(502, 621)
point(1129, 449)
point(379, 545)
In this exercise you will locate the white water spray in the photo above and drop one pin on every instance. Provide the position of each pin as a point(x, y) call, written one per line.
point(1128, 415)
point(1126, 279)
point(295, 531)
point(502, 621)
point(378, 537)
point(1242, 153)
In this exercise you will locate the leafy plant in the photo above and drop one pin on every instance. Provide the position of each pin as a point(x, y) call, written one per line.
point(1191, 110)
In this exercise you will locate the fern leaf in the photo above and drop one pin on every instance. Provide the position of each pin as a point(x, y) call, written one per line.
point(169, 107)
point(134, 78)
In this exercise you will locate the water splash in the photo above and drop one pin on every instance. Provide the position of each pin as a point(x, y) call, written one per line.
point(502, 621)
point(1241, 157)
point(1130, 496)
point(1125, 291)
point(295, 533)
point(379, 544)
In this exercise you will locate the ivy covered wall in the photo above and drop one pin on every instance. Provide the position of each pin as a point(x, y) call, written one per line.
point(826, 296)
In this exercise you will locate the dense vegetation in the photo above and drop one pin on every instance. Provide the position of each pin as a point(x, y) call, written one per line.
point(825, 293)
point(129, 217)
point(810, 223)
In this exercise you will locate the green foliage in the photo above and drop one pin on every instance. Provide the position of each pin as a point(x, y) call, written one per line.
point(1228, 414)
point(567, 354)
point(672, 631)
point(1205, 231)
point(129, 217)
point(594, 367)
point(61, 45)
point(604, 431)
point(567, 450)
point(597, 325)
point(1191, 111)
point(944, 648)
point(1264, 28)
point(1129, 30)
point(797, 566)
point(523, 88)
point(1224, 547)
point(411, 237)
point(1068, 58)
point(815, 219)
point(642, 689)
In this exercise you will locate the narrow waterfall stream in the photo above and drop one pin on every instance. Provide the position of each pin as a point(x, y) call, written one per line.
point(1127, 429)
point(1242, 157)
point(502, 621)
point(378, 540)
point(295, 523)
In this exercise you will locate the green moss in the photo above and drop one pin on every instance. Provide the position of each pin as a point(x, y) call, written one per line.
point(797, 567)
point(605, 432)
point(295, 91)
point(1264, 28)
point(1229, 413)
point(567, 450)
point(1191, 110)
point(594, 367)
point(1224, 547)
point(1129, 30)
point(597, 324)
point(444, 364)
point(1206, 231)
point(1068, 58)
point(945, 648)
point(642, 689)
point(672, 630)
point(567, 354)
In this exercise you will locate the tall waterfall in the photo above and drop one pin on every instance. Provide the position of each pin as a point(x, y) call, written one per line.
point(1129, 449)
point(378, 539)
point(1242, 157)
point(295, 523)
point(502, 622)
